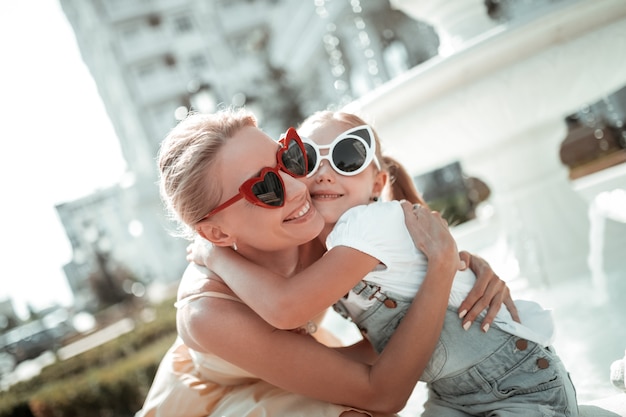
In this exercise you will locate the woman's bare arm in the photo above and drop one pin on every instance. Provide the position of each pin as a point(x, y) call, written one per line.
point(489, 291)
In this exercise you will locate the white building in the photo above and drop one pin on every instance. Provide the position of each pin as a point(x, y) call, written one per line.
point(152, 60)
point(288, 58)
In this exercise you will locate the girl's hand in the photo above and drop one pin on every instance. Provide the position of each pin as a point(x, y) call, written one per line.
point(431, 235)
point(199, 251)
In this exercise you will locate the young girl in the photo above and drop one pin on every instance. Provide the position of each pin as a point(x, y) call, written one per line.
point(509, 370)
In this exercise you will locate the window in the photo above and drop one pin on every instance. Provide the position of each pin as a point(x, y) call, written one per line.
point(198, 63)
point(129, 33)
point(154, 20)
point(182, 24)
point(169, 60)
point(145, 71)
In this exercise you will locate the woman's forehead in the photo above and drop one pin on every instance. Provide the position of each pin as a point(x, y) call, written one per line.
point(250, 140)
point(246, 152)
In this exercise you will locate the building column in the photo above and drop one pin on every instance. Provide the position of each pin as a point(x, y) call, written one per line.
point(455, 21)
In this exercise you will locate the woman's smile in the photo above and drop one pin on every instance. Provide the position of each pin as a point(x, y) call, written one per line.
point(299, 213)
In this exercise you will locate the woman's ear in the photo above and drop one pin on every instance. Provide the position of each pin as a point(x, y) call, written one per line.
point(214, 234)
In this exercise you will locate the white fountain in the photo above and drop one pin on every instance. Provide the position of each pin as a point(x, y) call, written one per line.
point(495, 99)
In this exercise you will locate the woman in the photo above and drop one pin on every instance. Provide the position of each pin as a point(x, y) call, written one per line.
point(225, 180)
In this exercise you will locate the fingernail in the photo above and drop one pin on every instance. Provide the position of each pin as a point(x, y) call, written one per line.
point(486, 328)
point(467, 325)
point(462, 314)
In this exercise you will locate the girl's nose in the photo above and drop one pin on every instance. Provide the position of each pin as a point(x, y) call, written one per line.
point(325, 173)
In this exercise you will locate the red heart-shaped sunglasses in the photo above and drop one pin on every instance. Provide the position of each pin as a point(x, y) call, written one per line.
point(267, 189)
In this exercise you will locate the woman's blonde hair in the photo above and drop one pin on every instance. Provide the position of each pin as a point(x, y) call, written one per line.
point(185, 158)
point(400, 185)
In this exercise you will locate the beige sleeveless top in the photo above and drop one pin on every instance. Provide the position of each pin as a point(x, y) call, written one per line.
point(202, 384)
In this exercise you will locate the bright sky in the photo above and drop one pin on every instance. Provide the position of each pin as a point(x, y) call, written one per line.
point(58, 142)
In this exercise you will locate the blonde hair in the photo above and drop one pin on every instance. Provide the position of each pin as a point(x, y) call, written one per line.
point(401, 185)
point(186, 156)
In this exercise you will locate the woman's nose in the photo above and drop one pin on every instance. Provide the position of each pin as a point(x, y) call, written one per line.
point(294, 187)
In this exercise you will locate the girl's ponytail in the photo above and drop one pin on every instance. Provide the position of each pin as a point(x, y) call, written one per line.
point(401, 185)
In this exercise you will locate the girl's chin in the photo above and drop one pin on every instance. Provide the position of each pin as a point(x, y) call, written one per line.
point(330, 221)
point(329, 214)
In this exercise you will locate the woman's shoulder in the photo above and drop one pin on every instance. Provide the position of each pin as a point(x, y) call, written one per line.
point(203, 304)
point(200, 282)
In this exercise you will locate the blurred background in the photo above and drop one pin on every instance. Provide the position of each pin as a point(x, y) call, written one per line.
point(509, 113)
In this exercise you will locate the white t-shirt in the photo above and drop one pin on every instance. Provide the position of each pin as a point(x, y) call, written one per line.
point(379, 230)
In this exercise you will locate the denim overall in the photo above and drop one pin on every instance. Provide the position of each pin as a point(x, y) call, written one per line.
point(472, 372)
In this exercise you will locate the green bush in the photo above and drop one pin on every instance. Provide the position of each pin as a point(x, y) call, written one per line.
point(111, 379)
point(117, 390)
point(14, 406)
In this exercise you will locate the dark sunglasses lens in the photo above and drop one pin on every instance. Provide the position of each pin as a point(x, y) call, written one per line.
point(349, 155)
point(293, 159)
point(311, 157)
point(270, 190)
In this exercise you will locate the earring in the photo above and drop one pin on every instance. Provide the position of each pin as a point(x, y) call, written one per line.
point(235, 246)
point(374, 199)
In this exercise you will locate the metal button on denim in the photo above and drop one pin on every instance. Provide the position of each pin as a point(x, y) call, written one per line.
point(521, 344)
point(542, 363)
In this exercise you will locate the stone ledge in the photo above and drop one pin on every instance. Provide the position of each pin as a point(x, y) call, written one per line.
point(608, 161)
point(598, 408)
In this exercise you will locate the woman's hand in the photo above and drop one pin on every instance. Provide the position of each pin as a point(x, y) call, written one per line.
point(431, 235)
point(489, 292)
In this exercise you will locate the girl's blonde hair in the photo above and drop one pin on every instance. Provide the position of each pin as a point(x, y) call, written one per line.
point(185, 159)
point(400, 185)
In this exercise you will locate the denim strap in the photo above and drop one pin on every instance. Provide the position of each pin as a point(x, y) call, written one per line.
point(368, 290)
